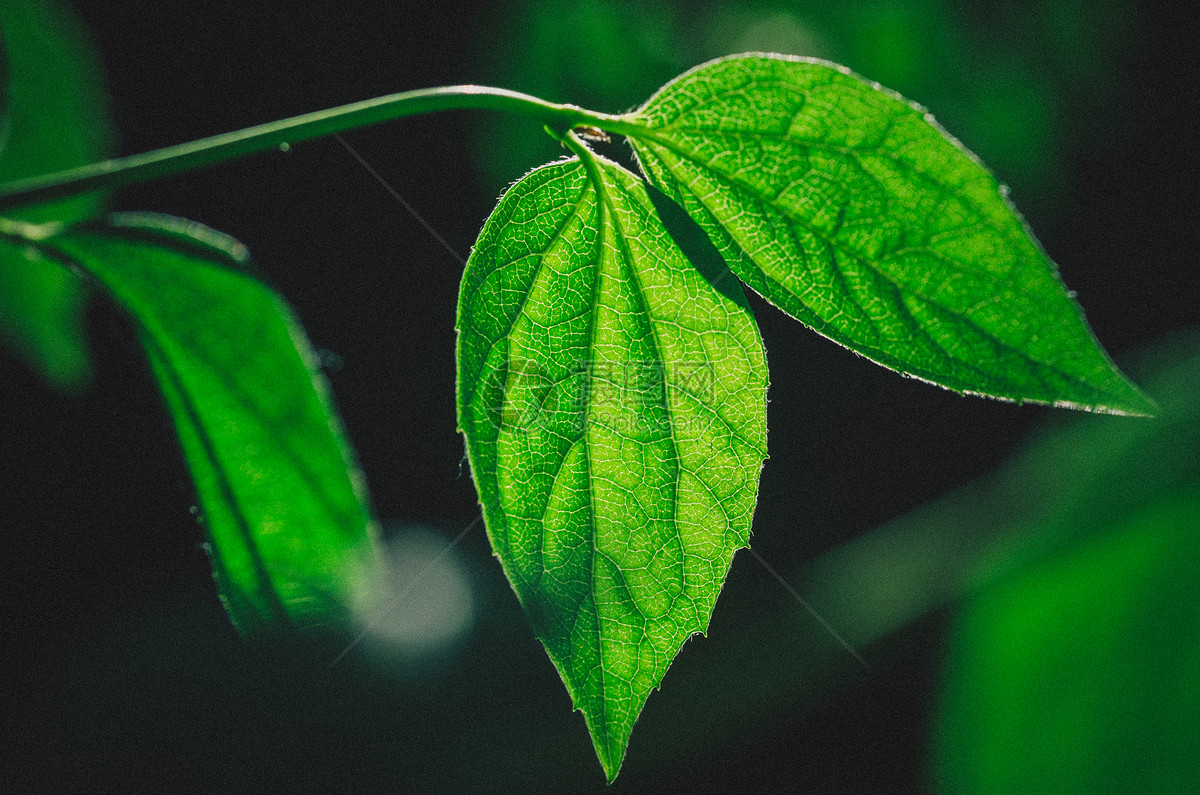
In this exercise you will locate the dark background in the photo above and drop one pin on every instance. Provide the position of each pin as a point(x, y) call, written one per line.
point(121, 664)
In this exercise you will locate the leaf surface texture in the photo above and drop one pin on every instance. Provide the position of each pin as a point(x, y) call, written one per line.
point(853, 211)
point(613, 404)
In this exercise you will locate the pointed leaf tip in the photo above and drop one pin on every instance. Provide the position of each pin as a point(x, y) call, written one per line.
point(849, 208)
point(614, 406)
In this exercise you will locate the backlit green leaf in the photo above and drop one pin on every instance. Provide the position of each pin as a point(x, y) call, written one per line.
point(282, 499)
point(57, 118)
point(614, 407)
point(853, 211)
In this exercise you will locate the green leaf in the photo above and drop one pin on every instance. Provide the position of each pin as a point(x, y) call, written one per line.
point(853, 211)
point(283, 501)
point(614, 408)
point(1079, 671)
point(57, 118)
point(41, 317)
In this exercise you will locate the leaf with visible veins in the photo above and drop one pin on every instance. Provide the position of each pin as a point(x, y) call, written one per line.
point(614, 406)
point(853, 211)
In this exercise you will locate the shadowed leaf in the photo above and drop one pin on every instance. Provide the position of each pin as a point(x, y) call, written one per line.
point(283, 501)
point(56, 118)
point(1079, 671)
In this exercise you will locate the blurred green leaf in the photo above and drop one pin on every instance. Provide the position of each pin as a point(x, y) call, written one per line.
point(283, 501)
point(1080, 671)
point(614, 405)
point(4, 88)
point(57, 118)
point(563, 50)
point(850, 209)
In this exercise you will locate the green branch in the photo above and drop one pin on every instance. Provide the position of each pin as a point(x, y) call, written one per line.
point(122, 172)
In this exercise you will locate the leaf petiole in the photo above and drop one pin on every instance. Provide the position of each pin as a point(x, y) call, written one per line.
point(122, 172)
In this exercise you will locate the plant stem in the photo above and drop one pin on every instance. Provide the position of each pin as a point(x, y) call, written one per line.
point(111, 174)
